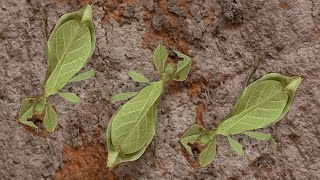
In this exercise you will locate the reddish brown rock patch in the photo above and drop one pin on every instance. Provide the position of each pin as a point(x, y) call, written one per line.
point(87, 162)
point(170, 33)
point(284, 5)
point(114, 9)
point(199, 111)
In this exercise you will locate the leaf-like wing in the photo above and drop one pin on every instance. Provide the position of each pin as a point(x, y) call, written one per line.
point(183, 67)
point(191, 136)
point(289, 84)
point(131, 126)
point(208, 154)
point(70, 97)
point(259, 105)
point(50, 118)
point(115, 156)
point(26, 111)
point(160, 56)
point(262, 103)
point(138, 77)
point(70, 46)
point(236, 146)
point(83, 14)
point(83, 76)
point(123, 96)
point(259, 136)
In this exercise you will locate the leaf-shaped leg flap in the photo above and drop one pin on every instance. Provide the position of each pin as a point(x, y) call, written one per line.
point(208, 154)
point(191, 136)
point(26, 111)
point(50, 118)
point(236, 146)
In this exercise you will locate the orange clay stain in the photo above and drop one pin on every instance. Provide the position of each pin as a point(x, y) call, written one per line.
point(284, 5)
point(126, 177)
point(200, 108)
point(173, 87)
point(114, 9)
point(184, 6)
point(194, 90)
point(87, 162)
point(154, 37)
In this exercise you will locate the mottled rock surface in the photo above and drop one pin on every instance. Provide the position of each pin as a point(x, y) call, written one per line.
point(225, 38)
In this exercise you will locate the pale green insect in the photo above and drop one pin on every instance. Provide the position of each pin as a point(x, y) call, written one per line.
point(69, 48)
point(262, 103)
point(132, 128)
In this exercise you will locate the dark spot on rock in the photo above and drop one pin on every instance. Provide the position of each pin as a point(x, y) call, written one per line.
point(198, 10)
point(263, 160)
point(232, 11)
point(129, 12)
point(294, 137)
point(147, 4)
point(157, 19)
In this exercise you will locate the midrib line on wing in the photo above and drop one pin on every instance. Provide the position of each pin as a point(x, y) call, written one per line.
point(245, 112)
point(64, 46)
point(64, 53)
point(139, 117)
point(133, 121)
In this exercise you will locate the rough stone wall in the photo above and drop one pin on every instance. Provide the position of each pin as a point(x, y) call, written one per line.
point(225, 38)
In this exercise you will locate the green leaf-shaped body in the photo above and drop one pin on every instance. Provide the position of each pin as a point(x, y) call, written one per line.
point(70, 46)
point(115, 156)
point(262, 103)
point(133, 126)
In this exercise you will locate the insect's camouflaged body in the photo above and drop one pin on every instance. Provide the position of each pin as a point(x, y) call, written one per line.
point(133, 126)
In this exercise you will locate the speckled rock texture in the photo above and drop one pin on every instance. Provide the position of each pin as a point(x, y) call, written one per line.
point(227, 39)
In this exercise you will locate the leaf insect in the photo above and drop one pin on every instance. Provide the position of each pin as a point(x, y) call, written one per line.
point(133, 126)
point(69, 48)
point(261, 104)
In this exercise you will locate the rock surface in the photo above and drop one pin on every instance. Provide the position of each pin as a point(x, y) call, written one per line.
point(225, 38)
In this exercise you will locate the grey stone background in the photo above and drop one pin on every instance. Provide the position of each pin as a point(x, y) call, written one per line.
point(225, 38)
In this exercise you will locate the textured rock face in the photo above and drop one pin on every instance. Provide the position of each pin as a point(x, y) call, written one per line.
point(225, 38)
